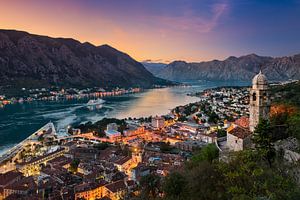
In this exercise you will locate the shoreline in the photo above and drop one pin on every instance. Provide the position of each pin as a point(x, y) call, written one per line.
point(171, 109)
point(185, 94)
point(64, 96)
point(9, 145)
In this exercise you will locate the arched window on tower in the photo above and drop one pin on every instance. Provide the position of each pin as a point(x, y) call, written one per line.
point(265, 97)
point(254, 96)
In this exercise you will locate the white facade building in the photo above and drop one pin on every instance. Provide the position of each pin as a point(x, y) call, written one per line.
point(158, 122)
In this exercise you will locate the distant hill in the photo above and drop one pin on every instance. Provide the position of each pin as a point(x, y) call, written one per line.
point(28, 60)
point(154, 68)
point(234, 68)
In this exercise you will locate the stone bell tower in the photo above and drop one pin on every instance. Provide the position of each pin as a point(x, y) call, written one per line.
point(259, 107)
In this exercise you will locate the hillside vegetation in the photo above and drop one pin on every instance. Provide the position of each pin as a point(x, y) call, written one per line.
point(261, 173)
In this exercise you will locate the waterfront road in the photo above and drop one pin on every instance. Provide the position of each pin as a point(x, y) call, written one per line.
point(10, 153)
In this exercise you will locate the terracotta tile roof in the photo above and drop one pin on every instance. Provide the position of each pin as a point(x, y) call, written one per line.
point(123, 160)
point(240, 132)
point(116, 186)
point(105, 198)
point(23, 185)
point(243, 122)
point(230, 128)
point(61, 160)
point(107, 153)
point(8, 177)
point(88, 186)
point(14, 197)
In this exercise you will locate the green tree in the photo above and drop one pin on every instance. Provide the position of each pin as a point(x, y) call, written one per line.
point(175, 186)
point(213, 117)
point(74, 165)
point(262, 139)
point(102, 145)
point(246, 177)
point(207, 153)
point(165, 147)
point(41, 138)
point(150, 186)
point(294, 126)
point(205, 182)
point(279, 124)
point(221, 133)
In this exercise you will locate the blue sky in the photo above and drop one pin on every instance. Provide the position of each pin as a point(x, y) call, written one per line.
point(165, 30)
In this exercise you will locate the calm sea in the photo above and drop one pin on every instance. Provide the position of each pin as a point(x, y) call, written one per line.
point(18, 121)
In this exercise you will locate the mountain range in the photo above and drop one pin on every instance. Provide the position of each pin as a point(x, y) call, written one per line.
point(28, 60)
point(232, 68)
point(33, 61)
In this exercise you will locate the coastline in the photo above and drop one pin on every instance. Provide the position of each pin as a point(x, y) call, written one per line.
point(123, 106)
point(65, 112)
point(65, 95)
point(44, 94)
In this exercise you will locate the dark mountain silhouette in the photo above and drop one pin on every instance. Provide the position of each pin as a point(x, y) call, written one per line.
point(28, 60)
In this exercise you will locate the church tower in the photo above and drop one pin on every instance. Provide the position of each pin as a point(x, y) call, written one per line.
point(259, 100)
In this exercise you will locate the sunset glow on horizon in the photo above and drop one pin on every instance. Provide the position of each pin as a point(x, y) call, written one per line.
point(164, 31)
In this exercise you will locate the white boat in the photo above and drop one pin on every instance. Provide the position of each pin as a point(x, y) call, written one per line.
point(95, 102)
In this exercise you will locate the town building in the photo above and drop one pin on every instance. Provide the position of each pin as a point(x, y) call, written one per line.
point(134, 130)
point(112, 126)
point(33, 166)
point(158, 122)
point(238, 138)
point(139, 171)
point(208, 137)
point(9, 178)
point(115, 190)
point(189, 145)
point(24, 186)
point(112, 131)
point(89, 190)
point(112, 134)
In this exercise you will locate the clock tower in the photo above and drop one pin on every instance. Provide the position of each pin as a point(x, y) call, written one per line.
point(259, 100)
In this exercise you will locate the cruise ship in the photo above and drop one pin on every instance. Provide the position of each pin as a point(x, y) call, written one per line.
point(95, 102)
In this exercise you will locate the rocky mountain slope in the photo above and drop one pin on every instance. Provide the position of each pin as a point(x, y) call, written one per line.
point(154, 68)
point(233, 68)
point(28, 60)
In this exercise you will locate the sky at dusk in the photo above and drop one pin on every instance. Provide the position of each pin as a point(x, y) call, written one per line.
point(165, 30)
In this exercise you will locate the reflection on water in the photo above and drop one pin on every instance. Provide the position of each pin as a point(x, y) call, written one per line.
point(153, 102)
point(20, 120)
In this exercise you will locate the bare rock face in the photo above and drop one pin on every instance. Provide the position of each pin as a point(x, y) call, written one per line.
point(28, 60)
point(233, 68)
point(154, 68)
point(290, 147)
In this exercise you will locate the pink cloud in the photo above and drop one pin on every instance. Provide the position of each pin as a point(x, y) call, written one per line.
point(190, 21)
